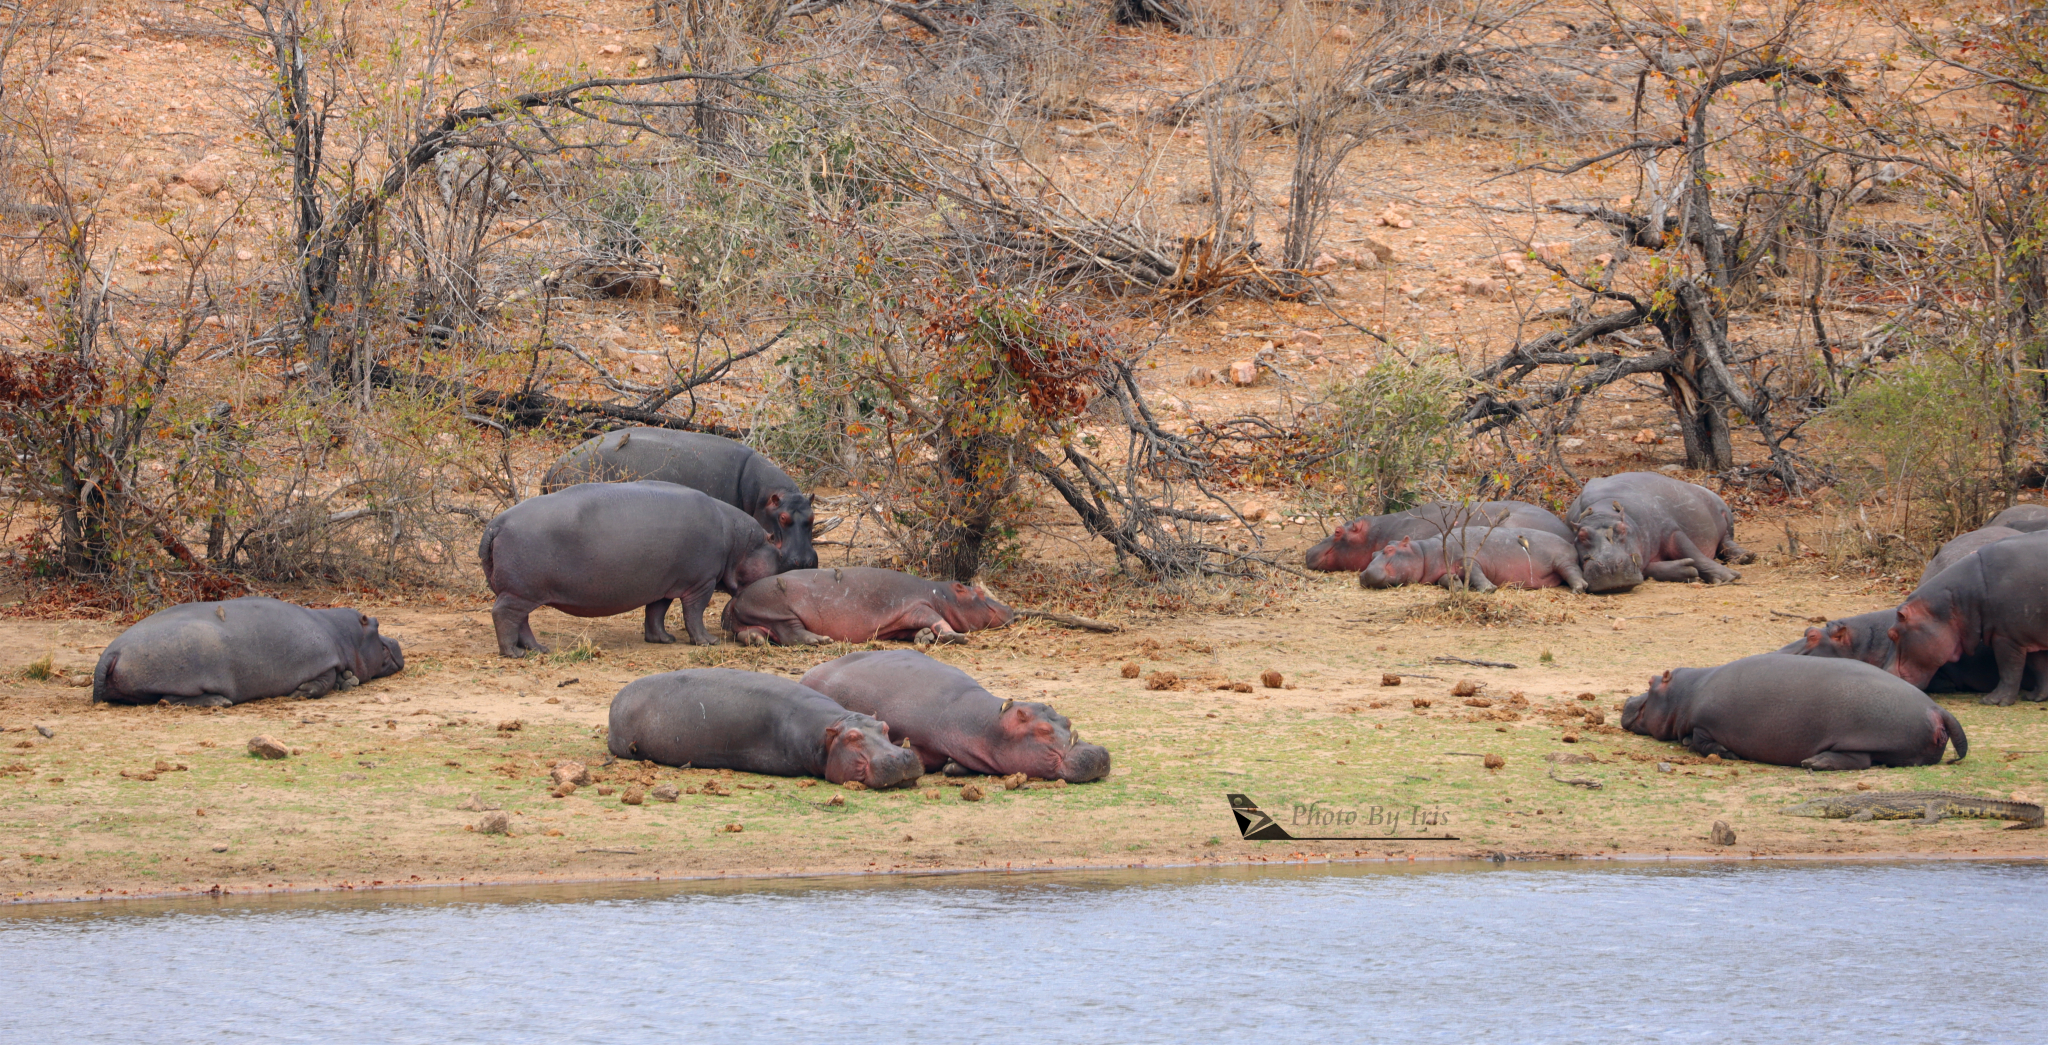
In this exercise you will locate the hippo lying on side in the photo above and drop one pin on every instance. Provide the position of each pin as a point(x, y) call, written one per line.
point(1642, 525)
point(1796, 711)
point(1962, 546)
point(1995, 600)
point(1477, 558)
point(1354, 544)
point(729, 471)
point(213, 654)
point(718, 718)
point(945, 716)
point(1867, 637)
point(2026, 518)
point(859, 604)
point(603, 548)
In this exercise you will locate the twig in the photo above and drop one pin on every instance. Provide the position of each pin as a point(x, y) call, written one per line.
point(1590, 785)
point(1474, 663)
point(626, 852)
point(1069, 620)
point(1799, 616)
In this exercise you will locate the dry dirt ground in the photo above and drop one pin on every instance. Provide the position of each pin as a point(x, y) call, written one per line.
point(389, 779)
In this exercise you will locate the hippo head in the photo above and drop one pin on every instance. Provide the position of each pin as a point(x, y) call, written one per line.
point(375, 655)
point(1349, 548)
point(857, 748)
point(1865, 637)
point(1925, 638)
point(787, 518)
point(1040, 742)
point(970, 608)
point(761, 561)
point(1396, 564)
point(1607, 554)
point(1650, 712)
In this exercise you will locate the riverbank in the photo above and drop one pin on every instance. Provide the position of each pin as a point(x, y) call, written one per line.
point(389, 781)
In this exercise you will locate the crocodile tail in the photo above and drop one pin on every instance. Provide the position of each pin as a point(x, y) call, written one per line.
point(103, 677)
point(1955, 732)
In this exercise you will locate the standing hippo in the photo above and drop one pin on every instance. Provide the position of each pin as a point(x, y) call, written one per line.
point(718, 718)
point(1354, 544)
point(1959, 547)
point(859, 604)
point(213, 654)
point(945, 716)
point(2026, 518)
point(1803, 711)
point(1642, 525)
point(1479, 558)
point(1995, 600)
point(729, 471)
point(603, 548)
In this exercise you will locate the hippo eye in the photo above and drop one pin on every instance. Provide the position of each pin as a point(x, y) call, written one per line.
point(786, 520)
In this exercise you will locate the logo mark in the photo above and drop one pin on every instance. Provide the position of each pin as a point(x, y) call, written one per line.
point(1259, 826)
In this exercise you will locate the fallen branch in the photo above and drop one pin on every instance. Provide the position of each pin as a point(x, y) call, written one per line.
point(1069, 620)
point(530, 409)
point(1590, 785)
point(1474, 663)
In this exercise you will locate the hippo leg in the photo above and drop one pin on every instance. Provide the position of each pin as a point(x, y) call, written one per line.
point(939, 631)
point(515, 633)
point(1828, 760)
point(2012, 667)
point(1573, 579)
point(1675, 571)
point(204, 700)
point(694, 605)
point(1704, 743)
point(1712, 572)
point(319, 685)
point(656, 628)
point(1732, 552)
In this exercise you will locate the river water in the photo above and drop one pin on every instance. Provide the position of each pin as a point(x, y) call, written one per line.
point(1916, 952)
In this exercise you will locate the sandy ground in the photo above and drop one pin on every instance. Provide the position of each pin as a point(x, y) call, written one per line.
point(390, 779)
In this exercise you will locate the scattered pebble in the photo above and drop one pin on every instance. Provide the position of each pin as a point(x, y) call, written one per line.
point(569, 772)
point(971, 793)
point(1390, 679)
point(1132, 670)
point(46, 731)
point(664, 793)
point(220, 849)
point(1272, 679)
point(263, 745)
point(495, 822)
point(633, 797)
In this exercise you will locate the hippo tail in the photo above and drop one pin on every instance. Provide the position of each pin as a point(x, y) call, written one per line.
point(1955, 733)
point(483, 547)
point(103, 678)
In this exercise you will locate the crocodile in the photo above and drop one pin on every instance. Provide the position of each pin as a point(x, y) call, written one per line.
point(1924, 807)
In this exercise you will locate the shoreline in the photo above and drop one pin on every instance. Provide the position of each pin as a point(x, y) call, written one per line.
point(1296, 859)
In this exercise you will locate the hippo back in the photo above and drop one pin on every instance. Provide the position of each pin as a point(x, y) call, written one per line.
point(2026, 518)
point(1963, 546)
point(242, 649)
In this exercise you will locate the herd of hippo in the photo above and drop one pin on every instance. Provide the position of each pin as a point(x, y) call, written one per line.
point(646, 517)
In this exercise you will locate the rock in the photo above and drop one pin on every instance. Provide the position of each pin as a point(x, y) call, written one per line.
point(610, 49)
point(1131, 670)
point(1306, 338)
point(1393, 219)
point(633, 797)
point(1380, 249)
point(263, 745)
point(1671, 469)
point(1390, 679)
point(220, 849)
point(1420, 702)
point(1555, 253)
point(606, 792)
point(664, 793)
point(563, 790)
point(1573, 444)
point(1272, 679)
point(1465, 688)
point(1414, 293)
point(568, 772)
point(1244, 373)
point(511, 725)
point(1494, 761)
point(1324, 263)
point(1201, 376)
point(495, 822)
point(46, 731)
point(1014, 781)
point(1342, 35)
point(1723, 834)
point(1479, 287)
point(1512, 264)
point(1163, 680)
point(1665, 767)
point(972, 793)
point(206, 177)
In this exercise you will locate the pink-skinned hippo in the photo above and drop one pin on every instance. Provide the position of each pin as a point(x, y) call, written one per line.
point(719, 718)
point(2026, 518)
point(1639, 526)
point(598, 549)
point(1815, 712)
point(214, 654)
point(1477, 558)
point(1995, 600)
point(859, 604)
point(1964, 545)
point(953, 723)
point(1354, 544)
point(730, 471)
point(1867, 637)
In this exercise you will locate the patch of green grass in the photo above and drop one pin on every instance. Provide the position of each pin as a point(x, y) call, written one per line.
point(41, 670)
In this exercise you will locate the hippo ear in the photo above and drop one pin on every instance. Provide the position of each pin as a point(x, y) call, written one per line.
point(1813, 639)
point(832, 733)
point(1840, 635)
point(774, 501)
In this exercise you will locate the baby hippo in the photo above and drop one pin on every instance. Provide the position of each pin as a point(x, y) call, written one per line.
point(945, 716)
point(859, 604)
point(213, 654)
point(1820, 713)
point(718, 718)
point(1479, 558)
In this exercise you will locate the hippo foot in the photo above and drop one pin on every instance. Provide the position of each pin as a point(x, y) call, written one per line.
point(925, 637)
point(1998, 700)
point(928, 636)
point(753, 638)
point(204, 700)
point(349, 680)
point(956, 769)
point(665, 639)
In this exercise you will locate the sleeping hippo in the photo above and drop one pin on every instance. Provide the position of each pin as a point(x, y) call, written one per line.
point(718, 718)
point(2026, 518)
point(1642, 525)
point(859, 604)
point(1867, 637)
point(946, 717)
point(213, 654)
point(1354, 544)
point(1796, 711)
point(1995, 601)
point(1962, 546)
point(1479, 559)
point(603, 548)
point(729, 471)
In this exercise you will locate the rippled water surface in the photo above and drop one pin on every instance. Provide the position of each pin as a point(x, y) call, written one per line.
point(1927, 952)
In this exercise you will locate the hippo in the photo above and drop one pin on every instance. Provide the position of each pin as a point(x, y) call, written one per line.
point(729, 471)
point(763, 724)
point(2026, 518)
point(214, 654)
point(1804, 711)
point(1867, 637)
point(1503, 555)
point(860, 604)
point(1995, 601)
point(1354, 544)
point(1642, 525)
point(1966, 544)
point(945, 716)
point(597, 549)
